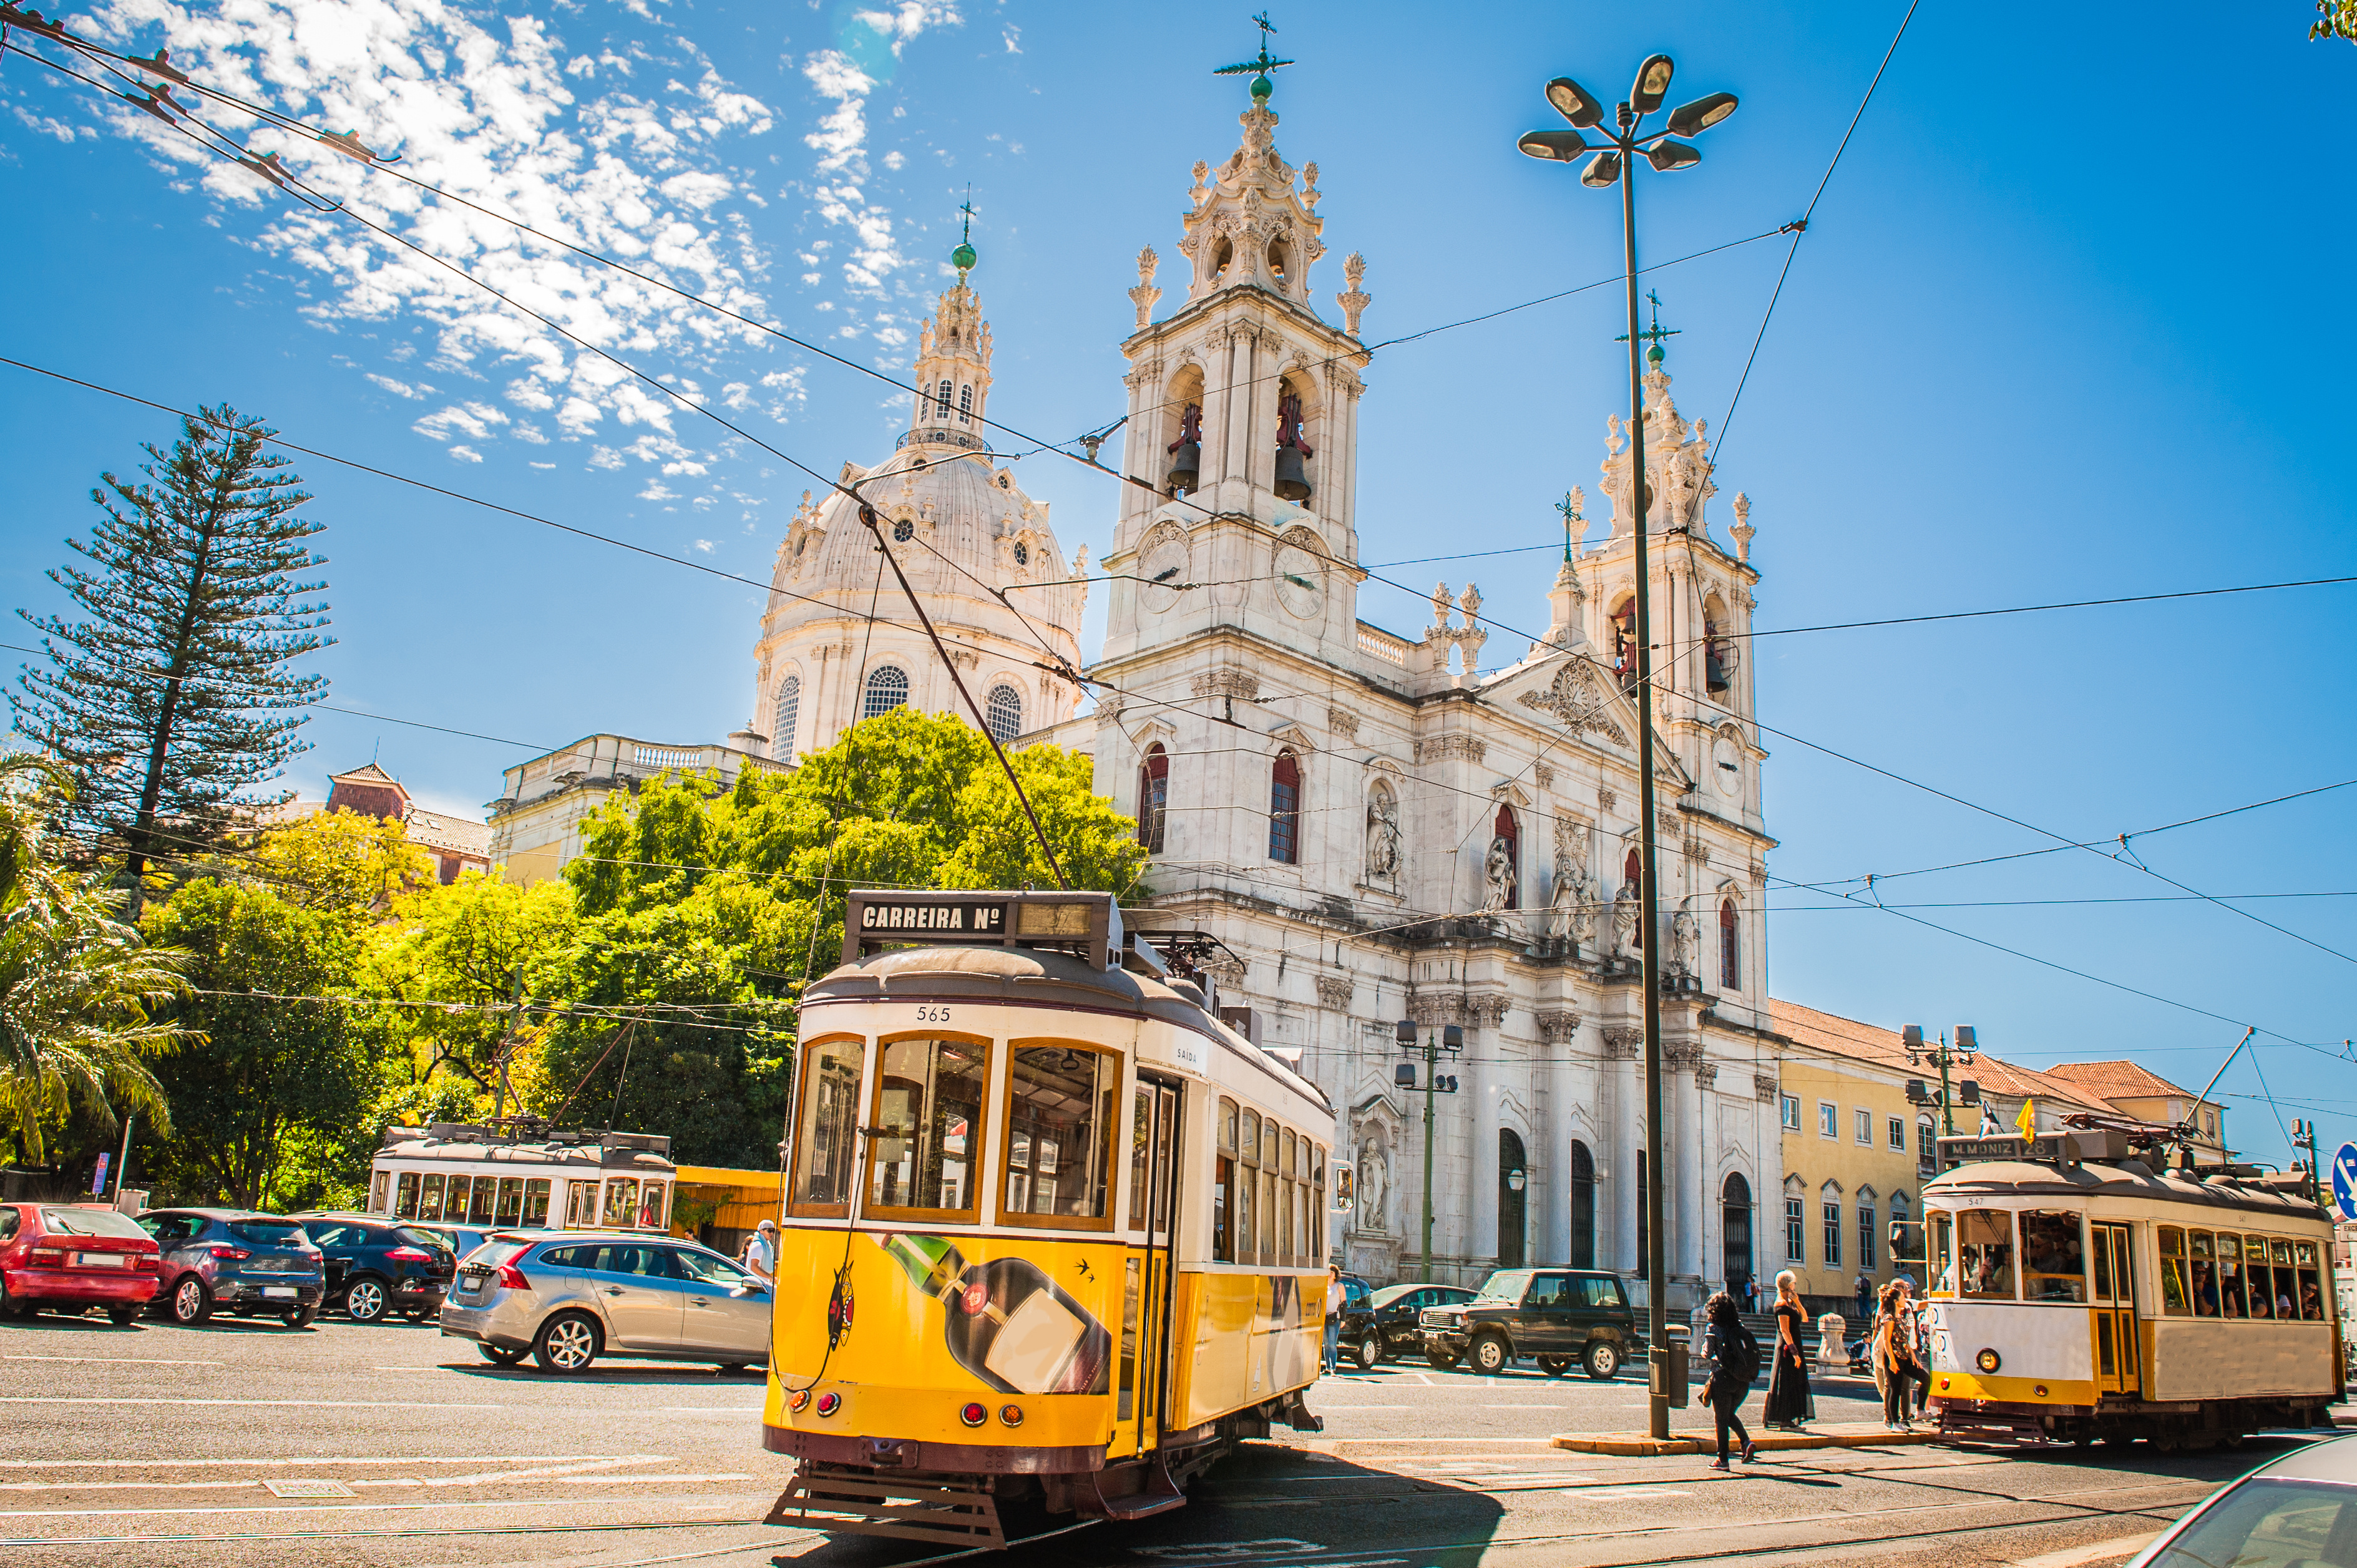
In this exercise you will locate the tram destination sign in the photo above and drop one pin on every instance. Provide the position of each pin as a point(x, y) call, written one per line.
point(2049, 1148)
point(1087, 924)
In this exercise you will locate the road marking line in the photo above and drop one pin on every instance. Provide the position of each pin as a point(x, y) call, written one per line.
point(1323, 1405)
point(305, 1404)
point(315, 1462)
point(715, 1409)
point(113, 1360)
point(1526, 1407)
point(2127, 1545)
point(345, 1508)
point(599, 1481)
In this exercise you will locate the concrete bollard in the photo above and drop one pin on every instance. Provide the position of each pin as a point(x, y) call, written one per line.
point(1832, 1344)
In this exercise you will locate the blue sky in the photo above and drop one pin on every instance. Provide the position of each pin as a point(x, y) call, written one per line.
point(2065, 325)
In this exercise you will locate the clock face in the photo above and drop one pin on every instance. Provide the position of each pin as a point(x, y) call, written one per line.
point(1163, 565)
point(1300, 581)
point(1726, 766)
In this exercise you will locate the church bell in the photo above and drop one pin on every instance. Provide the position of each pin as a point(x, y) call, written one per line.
point(1186, 466)
point(1292, 481)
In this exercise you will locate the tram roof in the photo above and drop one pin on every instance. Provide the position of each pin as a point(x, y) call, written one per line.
point(1031, 977)
point(2129, 1179)
point(461, 1144)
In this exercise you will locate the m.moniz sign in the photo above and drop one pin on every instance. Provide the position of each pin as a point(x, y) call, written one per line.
point(2047, 1148)
point(1087, 924)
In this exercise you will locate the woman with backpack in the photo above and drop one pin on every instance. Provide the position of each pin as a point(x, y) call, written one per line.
point(1894, 1357)
point(1733, 1357)
point(1789, 1403)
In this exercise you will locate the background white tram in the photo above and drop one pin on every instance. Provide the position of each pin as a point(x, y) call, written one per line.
point(462, 1175)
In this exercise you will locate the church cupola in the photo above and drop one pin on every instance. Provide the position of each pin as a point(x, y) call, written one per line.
point(952, 373)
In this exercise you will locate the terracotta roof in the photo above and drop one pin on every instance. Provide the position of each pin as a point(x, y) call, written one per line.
point(2118, 1080)
point(1881, 1047)
point(367, 773)
point(436, 830)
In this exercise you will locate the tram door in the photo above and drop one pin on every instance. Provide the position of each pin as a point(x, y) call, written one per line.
point(2116, 1360)
point(1146, 1305)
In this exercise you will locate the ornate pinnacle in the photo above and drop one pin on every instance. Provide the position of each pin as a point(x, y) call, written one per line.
point(1146, 293)
point(1354, 300)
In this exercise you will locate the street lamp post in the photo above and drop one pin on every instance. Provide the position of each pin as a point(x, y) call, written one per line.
point(1450, 1040)
point(1945, 1055)
point(1615, 162)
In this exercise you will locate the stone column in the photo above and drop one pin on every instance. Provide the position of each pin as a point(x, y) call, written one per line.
point(1551, 1241)
point(1480, 1248)
point(1624, 1050)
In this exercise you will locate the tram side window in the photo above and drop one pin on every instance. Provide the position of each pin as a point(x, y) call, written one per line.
point(377, 1185)
point(2053, 1255)
point(1317, 1202)
point(1141, 1128)
point(1271, 1198)
point(2286, 1283)
point(1061, 1102)
point(2260, 1275)
point(2202, 1257)
point(404, 1197)
point(2229, 1277)
point(2311, 1298)
point(621, 1199)
point(1223, 1186)
point(1248, 1189)
point(1985, 1251)
point(1941, 1231)
point(536, 1202)
point(2176, 1301)
point(825, 1132)
point(929, 1093)
point(511, 1200)
point(1289, 1225)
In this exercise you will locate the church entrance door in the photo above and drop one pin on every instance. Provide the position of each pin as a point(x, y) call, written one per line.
point(1512, 1181)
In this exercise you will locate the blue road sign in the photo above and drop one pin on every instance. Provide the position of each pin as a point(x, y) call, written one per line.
point(2344, 1181)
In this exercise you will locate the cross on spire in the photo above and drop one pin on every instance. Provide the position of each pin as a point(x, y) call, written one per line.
point(1259, 67)
point(963, 258)
point(1654, 334)
point(1571, 509)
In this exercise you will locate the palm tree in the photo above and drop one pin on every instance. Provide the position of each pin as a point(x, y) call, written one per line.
point(77, 984)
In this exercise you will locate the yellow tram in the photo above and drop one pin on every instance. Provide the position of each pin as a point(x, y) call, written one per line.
point(1053, 1234)
point(2077, 1291)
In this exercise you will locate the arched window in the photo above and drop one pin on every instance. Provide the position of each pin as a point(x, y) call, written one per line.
point(1152, 797)
point(1632, 870)
point(1731, 948)
point(941, 402)
point(1513, 1181)
point(1006, 710)
point(1506, 834)
point(1583, 1207)
point(965, 405)
point(887, 688)
point(782, 732)
point(1284, 809)
point(1735, 1230)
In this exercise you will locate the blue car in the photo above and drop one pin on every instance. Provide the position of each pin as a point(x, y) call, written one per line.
point(235, 1260)
point(376, 1268)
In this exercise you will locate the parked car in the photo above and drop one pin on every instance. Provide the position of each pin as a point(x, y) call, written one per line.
point(564, 1298)
point(235, 1260)
point(375, 1268)
point(1559, 1315)
point(1389, 1321)
point(2300, 1508)
point(460, 1238)
point(53, 1255)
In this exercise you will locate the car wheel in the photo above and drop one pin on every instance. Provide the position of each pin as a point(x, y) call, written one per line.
point(1603, 1360)
point(1369, 1351)
point(1491, 1354)
point(567, 1343)
point(499, 1357)
point(365, 1299)
point(123, 1317)
point(191, 1302)
point(1554, 1365)
point(301, 1317)
point(1440, 1358)
point(13, 1305)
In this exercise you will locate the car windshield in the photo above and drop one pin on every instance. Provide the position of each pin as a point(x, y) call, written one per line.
point(2266, 1523)
point(416, 1238)
point(1506, 1284)
point(269, 1233)
point(90, 1222)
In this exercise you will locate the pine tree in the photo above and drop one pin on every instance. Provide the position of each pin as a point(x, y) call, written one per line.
point(174, 695)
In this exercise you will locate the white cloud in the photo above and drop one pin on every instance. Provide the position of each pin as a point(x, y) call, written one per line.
point(399, 389)
point(49, 126)
point(1013, 36)
point(467, 453)
point(657, 491)
point(703, 544)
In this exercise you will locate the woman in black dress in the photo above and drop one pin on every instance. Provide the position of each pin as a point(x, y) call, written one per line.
point(1789, 1403)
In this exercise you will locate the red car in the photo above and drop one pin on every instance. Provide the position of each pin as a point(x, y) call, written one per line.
point(53, 1255)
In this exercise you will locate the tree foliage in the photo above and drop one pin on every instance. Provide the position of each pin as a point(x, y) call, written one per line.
point(2337, 19)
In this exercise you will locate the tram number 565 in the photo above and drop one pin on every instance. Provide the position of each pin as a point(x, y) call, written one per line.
point(932, 1014)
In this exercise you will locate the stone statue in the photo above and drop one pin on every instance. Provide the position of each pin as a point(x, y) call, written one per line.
point(1498, 872)
point(1374, 1186)
point(1685, 935)
point(1573, 900)
point(1624, 917)
point(1382, 837)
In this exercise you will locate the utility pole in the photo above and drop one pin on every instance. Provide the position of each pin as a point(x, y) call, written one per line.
point(1452, 1039)
point(507, 1042)
point(2303, 1137)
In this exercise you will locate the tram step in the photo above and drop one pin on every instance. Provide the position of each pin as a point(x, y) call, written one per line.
point(945, 1510)
point(1158, 1493)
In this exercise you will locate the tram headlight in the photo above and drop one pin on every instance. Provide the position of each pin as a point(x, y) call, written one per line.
point(829, 1403)
point(1010, 1415)
point(1989, 1360)
point(973, 1413)
point(801, 1400)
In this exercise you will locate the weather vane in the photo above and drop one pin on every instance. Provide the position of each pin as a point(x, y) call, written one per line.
point(1258, 70)
point(963, 258)
point(1654, 333)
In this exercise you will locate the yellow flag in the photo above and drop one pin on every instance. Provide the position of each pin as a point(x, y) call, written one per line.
point(2028, 1120)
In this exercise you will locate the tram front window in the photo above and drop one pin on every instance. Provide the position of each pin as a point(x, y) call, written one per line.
point(2053, 1256)
point(2176, 1301)
point(1060, 1133)
point(826, 1132)
point(929, 1100)
point(404, 1195)
point(1985, 1251)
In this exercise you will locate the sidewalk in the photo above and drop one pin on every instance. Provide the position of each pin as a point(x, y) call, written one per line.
point(1704, 1439)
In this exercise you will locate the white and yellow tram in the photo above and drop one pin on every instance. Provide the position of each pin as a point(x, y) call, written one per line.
point(2078, 1293)
point(458, 1174)
point(1053, 1234)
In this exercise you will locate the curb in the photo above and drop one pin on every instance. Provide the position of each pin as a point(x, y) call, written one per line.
point(1629, 1444)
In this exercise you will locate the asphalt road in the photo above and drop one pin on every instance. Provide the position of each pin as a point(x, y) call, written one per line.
point(245, 1443)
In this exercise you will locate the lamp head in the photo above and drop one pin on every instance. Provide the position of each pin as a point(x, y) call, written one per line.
point(1967, 1041)
point(1602, 173)
point(1692, 119)
point(1911, 1036)
point(1452, 1038)
point(1404, 1031)
point(1653, 82)
point(1575, 102)
point(1561, 146)
point(1668, 155)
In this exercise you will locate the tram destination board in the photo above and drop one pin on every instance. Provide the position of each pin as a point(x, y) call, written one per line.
point(2050, 1148)
point(1087, 924)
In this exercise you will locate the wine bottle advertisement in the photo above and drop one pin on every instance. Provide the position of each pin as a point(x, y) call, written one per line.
point(1002, 1319)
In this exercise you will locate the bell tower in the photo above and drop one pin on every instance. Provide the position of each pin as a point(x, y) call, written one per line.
point(952, 373)
point(1243, 413)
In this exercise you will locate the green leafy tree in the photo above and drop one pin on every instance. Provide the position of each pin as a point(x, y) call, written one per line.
point(2338, 19)
point(342, 861)
point(173, 695)
point(466, 944)
point(78, 988)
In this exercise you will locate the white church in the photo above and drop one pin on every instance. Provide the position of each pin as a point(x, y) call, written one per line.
point(1377, 826)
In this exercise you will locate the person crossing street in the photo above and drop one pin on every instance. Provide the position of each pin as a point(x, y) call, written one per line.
point(1733, 1356)
point(1334, 1299)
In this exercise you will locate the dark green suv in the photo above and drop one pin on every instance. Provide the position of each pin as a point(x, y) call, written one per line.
point(1559, 1315)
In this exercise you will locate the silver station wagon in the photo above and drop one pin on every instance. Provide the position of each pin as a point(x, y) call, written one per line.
point(566, 1298)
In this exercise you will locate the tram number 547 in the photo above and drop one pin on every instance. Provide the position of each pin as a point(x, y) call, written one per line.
point(932, 1014)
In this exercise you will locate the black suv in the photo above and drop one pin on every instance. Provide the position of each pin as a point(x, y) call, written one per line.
point(1559, 1315)
point(1389, 1321)
point(375, 1267)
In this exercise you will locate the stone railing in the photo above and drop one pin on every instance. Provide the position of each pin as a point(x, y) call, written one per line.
point(1391, 650)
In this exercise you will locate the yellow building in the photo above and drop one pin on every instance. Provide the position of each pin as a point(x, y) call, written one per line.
point(721, 1206)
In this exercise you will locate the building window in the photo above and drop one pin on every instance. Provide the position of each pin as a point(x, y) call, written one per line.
point(1731, 949)
point(1005, 711)
point(887, 688)
point(1828, 1120)
point(965, 405)
point(904, 530)
point(1927, 1145)
point(1795, 1242)
point(1832, 1235)
point(1898, 1134)
point(941, 403)
point(1793, 1112)
point(1865, 1237)
point(1284, 809)
point(1022, 553)
point(781, 733)
point(1583, 1207)
point(1864, 1123)
point(1152, 797)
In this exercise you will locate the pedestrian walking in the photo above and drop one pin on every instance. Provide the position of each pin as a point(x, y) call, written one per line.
point(1789, 1403)
point(1751, 1295)
point(1894, 1357)
point(1733, 1356)
point(761, 1253)
point(1335, 1297)
point(1865, 1293)
point(1920, 1338)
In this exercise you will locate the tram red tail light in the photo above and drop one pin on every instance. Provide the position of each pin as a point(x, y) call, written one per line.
point(829, 1403)
point(973, 1414)
point(1010, 1415)
point(1989, 1360)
